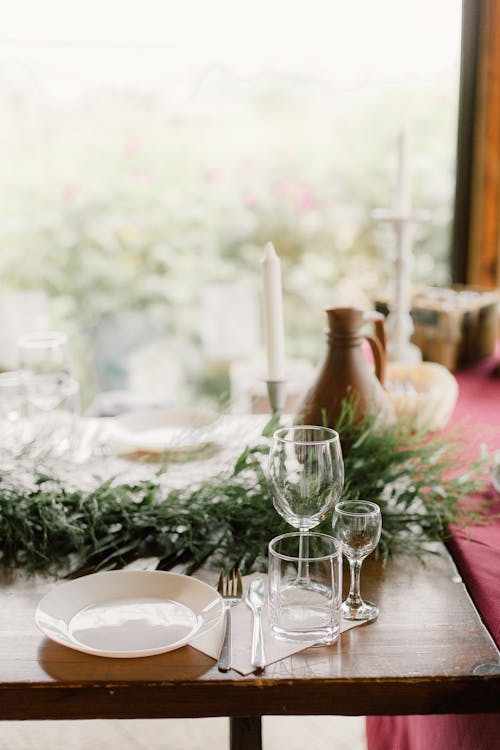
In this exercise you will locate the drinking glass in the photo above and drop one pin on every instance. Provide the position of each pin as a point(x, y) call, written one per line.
point(11, 410)
point(305, 610)
point(45, 364)
point(52, 395)
point(306, 473)
point(357, 525)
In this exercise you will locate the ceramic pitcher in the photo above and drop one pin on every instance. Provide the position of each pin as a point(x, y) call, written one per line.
point(346, 372)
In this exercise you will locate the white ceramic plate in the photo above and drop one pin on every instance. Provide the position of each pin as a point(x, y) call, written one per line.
point(126, 614)
point(154, 431)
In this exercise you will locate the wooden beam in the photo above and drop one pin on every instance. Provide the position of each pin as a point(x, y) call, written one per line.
point(483, 266)
point(465, 139)
point(245, 733)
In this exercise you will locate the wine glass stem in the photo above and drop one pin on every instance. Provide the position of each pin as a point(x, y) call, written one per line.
point(303, 569)
point(354, 593)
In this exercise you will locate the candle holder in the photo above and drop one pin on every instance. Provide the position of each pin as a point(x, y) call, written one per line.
point(276, 392)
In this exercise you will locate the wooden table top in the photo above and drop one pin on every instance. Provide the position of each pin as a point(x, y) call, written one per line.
point(427, 653)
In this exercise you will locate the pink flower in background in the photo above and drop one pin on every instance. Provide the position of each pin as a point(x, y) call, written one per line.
point(214, 175)
point(289, 157)
point(70, 192)
point(304, 198)
point(282, 188)
point(143, 177)
point(131, 146)
point(299, 194)
point(250, 198)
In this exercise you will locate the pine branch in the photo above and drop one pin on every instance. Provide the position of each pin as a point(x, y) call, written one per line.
point(230, 519)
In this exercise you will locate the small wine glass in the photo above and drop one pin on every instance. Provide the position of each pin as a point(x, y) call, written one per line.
point(357, 525)
point(306, 473)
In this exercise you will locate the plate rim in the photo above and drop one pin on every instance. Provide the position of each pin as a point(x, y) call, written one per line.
point(69, 641)
point(132, 438)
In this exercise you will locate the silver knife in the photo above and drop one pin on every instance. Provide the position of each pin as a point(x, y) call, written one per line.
point(254, 598)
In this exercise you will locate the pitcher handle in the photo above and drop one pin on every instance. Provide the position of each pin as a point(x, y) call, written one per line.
point(378, 343)
point(378, 357)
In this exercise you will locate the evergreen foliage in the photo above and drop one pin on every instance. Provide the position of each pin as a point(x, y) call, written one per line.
point(420, 483)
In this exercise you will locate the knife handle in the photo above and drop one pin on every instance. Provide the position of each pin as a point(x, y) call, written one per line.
point(225, 654)
point(258, 657)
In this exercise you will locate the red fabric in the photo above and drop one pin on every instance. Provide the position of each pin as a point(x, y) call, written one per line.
point(479, 394)
point(477, 555)
point(476, 550)
point(477, 558)
point(443, 732)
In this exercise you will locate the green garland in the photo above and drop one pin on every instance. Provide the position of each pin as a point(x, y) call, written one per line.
point(228, 520)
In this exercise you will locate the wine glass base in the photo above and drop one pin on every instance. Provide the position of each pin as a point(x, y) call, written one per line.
point(360, 611)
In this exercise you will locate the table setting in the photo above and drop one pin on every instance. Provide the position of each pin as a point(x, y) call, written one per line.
point(247, 622)
point(303, 471)
point(132, 614)
point(176, 554)
point(274, 649)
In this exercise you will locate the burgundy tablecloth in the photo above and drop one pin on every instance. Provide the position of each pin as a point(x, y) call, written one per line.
point(476, 551)
point(477, 556)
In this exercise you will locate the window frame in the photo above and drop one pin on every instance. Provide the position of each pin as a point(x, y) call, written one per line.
point(476, 227)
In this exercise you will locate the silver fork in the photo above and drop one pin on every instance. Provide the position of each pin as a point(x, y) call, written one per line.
point(230, 588)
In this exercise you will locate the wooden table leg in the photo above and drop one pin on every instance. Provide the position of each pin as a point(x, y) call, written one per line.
point(245, 733)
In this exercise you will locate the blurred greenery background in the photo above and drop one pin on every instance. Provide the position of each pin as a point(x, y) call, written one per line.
point(135, 219)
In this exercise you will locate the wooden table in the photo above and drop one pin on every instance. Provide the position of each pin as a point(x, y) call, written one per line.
point(427, 653)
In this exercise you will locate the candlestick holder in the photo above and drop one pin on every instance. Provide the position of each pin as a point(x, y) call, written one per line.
point(276, 392)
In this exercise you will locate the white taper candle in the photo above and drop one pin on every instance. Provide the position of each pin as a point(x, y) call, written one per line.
point(272, 298)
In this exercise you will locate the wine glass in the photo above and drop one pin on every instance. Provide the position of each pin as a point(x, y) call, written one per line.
point(52, 395)
point(357, 525)
point(306, 473)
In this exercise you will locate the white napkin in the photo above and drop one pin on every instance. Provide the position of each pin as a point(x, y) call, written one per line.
point(242, 621)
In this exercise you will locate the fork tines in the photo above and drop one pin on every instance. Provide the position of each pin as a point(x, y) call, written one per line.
point(231, 584)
